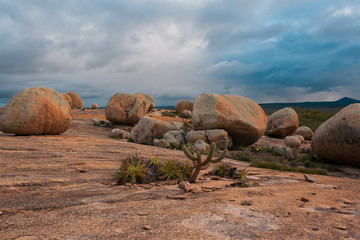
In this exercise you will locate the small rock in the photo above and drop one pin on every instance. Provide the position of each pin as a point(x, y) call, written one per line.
point(142, 214)
point(304, 199)
point(128, 184)
point(179, 197)
point(216, 178)
point(313, 193)
point(185, 185)
point(315, 229)
point(1, 213)
point(147, 227)
point(340, 227)
point(309, 179)
point(246, 202)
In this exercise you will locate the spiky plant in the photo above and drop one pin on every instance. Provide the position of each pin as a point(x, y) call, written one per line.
point(197, 161)
point(186, 169)
point(242, 177)
point(170, 170)
point(220, 170)
point(132, 169)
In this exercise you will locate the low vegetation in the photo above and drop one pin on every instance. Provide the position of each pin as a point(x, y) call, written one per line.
point(136, 169)
point(303, 160)
point(169, 114)
point(312, 118)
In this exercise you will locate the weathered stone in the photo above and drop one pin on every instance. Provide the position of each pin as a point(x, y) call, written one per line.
point(309, 179)
point(175, 136)
point(94, 106)
point(186, 114)
point(242, 118)
point(117, 132)
point(150, 102)
point(36, 110)
point(282, 123)
point(162, 143)
point(292, 142)
point(301, 138)
point(183, 105)
point(304, 131)
point(150, 128)
point(76, 100)
point(201, 146)
point(220, 137)
point(283, 151)
point(102, 123)
point(178, 125)
point(68, 99)
point(125, 108)
point(193, 136)
point(337, 140)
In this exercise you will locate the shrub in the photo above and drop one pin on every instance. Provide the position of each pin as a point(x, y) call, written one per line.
point(245, 155)
point(220, 170)
point(169, 114)
point(132, 170)
point(242, 177)
point(312, 118)
point(170, 170)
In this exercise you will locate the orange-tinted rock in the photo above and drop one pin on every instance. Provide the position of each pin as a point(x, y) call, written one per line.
point(282, 123)
point(150, 102)
point(242, 118)
point(94, 106)
point(125, 108)
point(338, 139)
point(184, 105)
point(68, 99)
point(76, 99)
point(36, 110)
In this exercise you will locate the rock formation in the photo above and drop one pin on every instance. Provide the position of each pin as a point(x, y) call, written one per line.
point(36, 110)
point(150, 102)
point(304, 131)
point(338, 139)
point(125, 108)
point(183, 105)
point(242, 118)
point(76, 99)
point(149, 129)
point(282, 123)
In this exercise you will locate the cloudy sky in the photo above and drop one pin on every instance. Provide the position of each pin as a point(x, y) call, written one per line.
point(266, 50)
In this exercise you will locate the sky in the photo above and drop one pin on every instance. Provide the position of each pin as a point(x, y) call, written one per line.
point(266, 50)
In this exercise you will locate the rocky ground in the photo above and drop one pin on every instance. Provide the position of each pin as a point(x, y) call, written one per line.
point(61, 187)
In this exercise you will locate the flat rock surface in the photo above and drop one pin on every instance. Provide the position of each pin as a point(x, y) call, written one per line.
point(60, 187)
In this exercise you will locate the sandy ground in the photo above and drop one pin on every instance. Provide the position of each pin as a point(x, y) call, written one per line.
point(61, 187)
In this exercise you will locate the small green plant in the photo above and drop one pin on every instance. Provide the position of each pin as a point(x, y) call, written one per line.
point(220, 170)
point(115, 136)
point(197, 161)
point(155, 161)
point(242, 177)
point(132, 170)
point(186, 169)
point(174, 145)
point(149, 141)
point(169, 114)
point(170, 170)
point(245, 155)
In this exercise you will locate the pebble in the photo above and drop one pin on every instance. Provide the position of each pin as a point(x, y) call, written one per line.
point(1, 212)
point(246, 202)
point(315, 229)
point(309, 179)
point(304, 199)
point(147, 227)
point(340, 227)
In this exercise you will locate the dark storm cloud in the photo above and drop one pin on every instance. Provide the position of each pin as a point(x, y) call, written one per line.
point(280, 50)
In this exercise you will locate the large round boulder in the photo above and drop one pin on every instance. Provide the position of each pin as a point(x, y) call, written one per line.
point(125, 108)
point(94, 106)
point(150, 102)
point(304, 131)
point(184, 105)
point(36, 110)
point(68, 99)
point(338, 139)
point(76, 99)
point(282, 123)
point(242, 118)
point(149, 129)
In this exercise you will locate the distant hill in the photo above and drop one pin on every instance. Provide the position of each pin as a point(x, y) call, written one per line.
point(341, 103)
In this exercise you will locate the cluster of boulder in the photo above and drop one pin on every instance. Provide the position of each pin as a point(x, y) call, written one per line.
point(125, 108)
